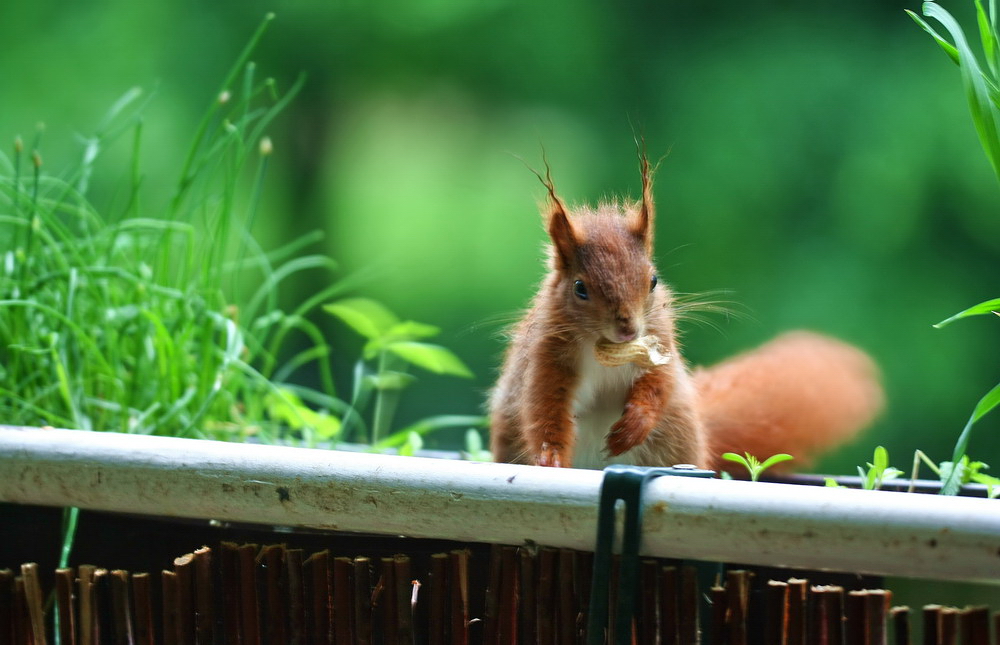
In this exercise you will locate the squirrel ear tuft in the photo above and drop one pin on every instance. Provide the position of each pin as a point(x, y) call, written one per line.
point(557, 221)
point(642, 225)
point(562, 235)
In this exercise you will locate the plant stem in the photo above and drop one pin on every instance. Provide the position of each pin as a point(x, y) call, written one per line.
point(70, 517)
point(379, 421)
point(914, 472)
point(186, 176)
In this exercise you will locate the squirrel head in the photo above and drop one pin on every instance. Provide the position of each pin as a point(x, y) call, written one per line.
point(605, 278)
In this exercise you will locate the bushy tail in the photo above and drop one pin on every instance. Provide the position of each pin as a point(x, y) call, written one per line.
point(802, 394)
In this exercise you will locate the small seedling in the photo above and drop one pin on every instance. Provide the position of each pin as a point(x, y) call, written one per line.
point(878, 471)
point(952, 479)
point(753, 465)
point(474, 450)
point(414, 442)
point(391, 346)
point(992, 484)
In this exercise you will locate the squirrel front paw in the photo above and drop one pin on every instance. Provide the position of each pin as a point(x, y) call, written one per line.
point(630, 430)
point(552, 456)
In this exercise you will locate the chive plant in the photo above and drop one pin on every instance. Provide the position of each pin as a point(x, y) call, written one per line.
point(165, 318)
point(132, 321)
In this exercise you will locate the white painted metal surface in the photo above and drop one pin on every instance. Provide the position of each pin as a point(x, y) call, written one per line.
point(743, 522)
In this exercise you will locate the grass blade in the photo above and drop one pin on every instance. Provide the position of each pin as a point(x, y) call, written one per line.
point(70, 517)
point(987, 36)
point(980, 104)
point(268, 289)
point(425, 426)
point(987, 403)
point(186, 177)
point(987, 307)
point(946, 46)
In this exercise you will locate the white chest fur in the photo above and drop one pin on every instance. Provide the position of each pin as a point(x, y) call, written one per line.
point(600, 398)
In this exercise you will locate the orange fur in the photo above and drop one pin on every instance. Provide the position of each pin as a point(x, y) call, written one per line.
point(801, 393)
point(554, 405)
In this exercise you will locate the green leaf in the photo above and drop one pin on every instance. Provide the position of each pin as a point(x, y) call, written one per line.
point(951, 478)
point(391, 380)
point(404, 331)
point(430, 424)
point(285, 407)
point(413, 443)
point(951, 482)
point(945, 45)
point(367, 317)
point(732, 456)
point(830, 482)
point(870, 478)
point(473, 441)
point(980, 103)
point(474, 446)
point(881, 458)
point(327, 427)
point(992, 484)
point(412, 330)
point(867, 478)
point(987, 403)
point(433, 358)
point(372, 348)
point(753, 465)
point(879, 471)
point(965, 475)
point(775, 459)
point(891, 473)
point(281, 407)
point(987, 37)
point(988, 307)
point(975, 467)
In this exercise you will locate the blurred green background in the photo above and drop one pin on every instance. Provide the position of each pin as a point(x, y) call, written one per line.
point(822, 169)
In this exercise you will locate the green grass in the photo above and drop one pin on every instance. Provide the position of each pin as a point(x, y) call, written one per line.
point(165, 318)
point(134, 321)
point(982, 90)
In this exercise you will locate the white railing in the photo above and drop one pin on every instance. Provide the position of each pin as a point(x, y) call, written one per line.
point(732, 521)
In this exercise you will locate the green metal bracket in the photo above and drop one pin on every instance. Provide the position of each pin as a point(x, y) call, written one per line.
point(625, 483)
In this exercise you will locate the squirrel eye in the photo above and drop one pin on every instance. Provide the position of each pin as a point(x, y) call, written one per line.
point(580, 290)
point(653, 282)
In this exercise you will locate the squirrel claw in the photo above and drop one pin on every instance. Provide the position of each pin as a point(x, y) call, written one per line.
point(616, 445)
point(549, 456)
point(626, 433)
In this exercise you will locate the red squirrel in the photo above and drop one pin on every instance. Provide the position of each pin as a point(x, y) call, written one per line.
point(560, 402)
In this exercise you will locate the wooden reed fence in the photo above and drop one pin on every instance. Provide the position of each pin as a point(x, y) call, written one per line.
point(246, 595)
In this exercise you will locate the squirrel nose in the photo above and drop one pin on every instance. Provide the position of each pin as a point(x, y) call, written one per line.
point(625, 331)
point(626, 337)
